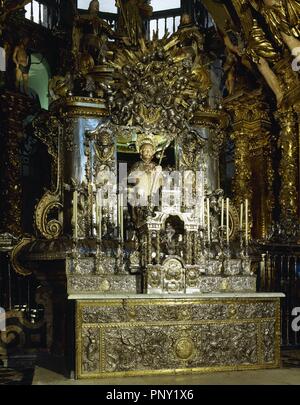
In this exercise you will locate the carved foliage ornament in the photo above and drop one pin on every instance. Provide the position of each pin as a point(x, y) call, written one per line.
point(159, 86)
point(15, 262)
point(50, 229)
point(47, 129)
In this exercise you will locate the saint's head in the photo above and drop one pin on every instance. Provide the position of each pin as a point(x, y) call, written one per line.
point(186, 19)
point(147, 152)
point(24, 41)
point(146, 147)
point(94, 7)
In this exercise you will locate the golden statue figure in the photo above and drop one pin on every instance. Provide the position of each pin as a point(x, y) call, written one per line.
point(262, 52)
point(90, 35)
point(22, 62)
point(189, 34)
point(145, 175)
point(283, 19)
point(60, 86)
point(130, 24)
point(191, 43)
point(233, 54)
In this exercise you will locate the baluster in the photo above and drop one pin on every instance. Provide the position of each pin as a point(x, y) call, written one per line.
point(285, 305)
point(40, 13)
point(28, 297)
point(264, 273)
point(149, 247)
point(31, 11)
point(261, 272)
point(287, 292)
point(158, 247)
point(48, 16)
point(174, 27)
point(282, 274)
point(2, 292)
point(267, 260)
point(295, 297)
point(19, 300)
point(9, 286)
point(291, 284)
point(269, 272)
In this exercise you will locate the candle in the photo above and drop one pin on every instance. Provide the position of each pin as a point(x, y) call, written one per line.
point(119, 216)
point(208, 221)
point(91, 199)
point(202, 211)
point(99, 215)
point(246, 221)
point(241, 217)
point(75, 214)
point(222, 214)
point(227, 220)
point(122, 218)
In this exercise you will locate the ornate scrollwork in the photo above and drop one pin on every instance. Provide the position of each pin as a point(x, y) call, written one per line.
point(16, 264)
point(50, 229)
point(46, 129)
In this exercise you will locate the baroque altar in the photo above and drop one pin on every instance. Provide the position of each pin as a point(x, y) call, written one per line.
point(157, 259)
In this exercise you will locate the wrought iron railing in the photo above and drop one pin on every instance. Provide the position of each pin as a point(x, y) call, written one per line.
point(279, 271)
point(17, 293)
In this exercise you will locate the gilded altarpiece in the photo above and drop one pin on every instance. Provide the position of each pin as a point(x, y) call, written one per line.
point(167, 286)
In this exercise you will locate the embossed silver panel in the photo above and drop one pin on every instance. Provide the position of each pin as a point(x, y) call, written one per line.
point(152, 336)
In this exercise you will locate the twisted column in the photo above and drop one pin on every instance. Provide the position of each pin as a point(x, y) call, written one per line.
point(288, 169)
point(242, 176)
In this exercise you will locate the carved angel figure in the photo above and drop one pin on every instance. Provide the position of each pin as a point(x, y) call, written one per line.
point(130, 24)
point(22, 60)
point(60, 86)
point(90, 34)
point(261, 51)
point(283, 19)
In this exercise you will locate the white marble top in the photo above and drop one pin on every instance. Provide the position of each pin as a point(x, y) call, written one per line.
point(225, 295)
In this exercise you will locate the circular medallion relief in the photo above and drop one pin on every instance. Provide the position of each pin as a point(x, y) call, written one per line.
point(184, 348)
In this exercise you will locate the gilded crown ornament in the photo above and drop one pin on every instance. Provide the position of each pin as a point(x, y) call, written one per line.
point(146, 139)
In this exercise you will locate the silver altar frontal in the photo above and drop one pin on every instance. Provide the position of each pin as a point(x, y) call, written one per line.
point(125, 335)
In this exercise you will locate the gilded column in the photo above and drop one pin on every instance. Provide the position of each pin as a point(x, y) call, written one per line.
point(242, 176)
point(270, 203)
point(288, 142)
point(262, 178)
point(254, 174)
